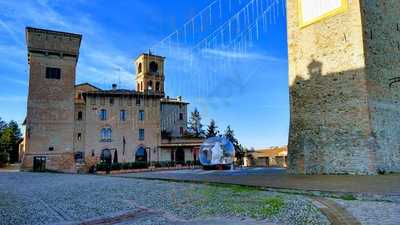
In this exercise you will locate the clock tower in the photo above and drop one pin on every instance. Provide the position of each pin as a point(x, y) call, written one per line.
point(150, 74)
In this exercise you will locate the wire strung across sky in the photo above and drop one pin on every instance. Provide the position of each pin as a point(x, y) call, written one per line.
point(211, 42)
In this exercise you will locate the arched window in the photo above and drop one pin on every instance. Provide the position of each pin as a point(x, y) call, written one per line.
point(138, 87)
point(103, 114)
point(141, 155)
point(157, 86)
point(150, 85)
point(140, 68)
point(153, 67)
point(141, 86)
point(105, 134)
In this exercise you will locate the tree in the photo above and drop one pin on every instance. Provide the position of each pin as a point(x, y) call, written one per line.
point(239, 149)
point(212, 129)
point(3, 125)
point(195, 125)
point(230, 135)
point(10, 136)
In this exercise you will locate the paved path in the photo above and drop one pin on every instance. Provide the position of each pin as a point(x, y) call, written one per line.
point(378, 186)
point(336, 214)
point(70, 199)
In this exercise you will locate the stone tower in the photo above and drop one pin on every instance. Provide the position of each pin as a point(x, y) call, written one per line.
point(52, 59)
point(344, 64)
point(150, 74)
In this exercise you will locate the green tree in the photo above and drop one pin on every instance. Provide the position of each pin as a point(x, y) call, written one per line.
point(3, 125)
point(10, 136)
point(195, 125)
point(239, 149)
point(212, 129)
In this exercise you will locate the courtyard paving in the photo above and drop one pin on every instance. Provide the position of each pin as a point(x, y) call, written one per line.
point(64, 199)
point(379, 187)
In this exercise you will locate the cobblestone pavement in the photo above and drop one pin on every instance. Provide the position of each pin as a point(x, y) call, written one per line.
point(65, 199)
point(373, 212)
point(383, 185)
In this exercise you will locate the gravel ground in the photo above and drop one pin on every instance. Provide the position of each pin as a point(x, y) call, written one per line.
point(373, 212)
point(36, 198)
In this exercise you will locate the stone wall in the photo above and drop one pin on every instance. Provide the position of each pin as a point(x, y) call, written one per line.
point(381, 24)
point(330, 125)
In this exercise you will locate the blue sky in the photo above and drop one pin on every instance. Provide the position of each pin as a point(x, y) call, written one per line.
point(243, 83)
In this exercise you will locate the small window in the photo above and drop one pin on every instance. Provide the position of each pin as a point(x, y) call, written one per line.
point(79, 137)
point(137, 100)
point(93, 153)
point(180, 116)
point(122, 115)
point(140, 68)
point(157, 86)
point(51, 148)
point(103, 114)
point(53, 73)
point(150, 85)
point(141, 134)
point(80, 115)
point(105, 134)
point(111, 101)
point(141, 115)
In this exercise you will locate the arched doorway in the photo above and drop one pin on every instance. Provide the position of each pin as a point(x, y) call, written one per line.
point(141, 155)
point(180, 156)
point(105, 156)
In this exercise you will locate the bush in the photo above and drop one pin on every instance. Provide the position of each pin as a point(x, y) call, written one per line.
point(101, 166)
point(4, 158)
point(116, 166)
point(126, 166)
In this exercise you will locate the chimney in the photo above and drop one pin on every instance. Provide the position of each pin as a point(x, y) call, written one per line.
point(114, 87)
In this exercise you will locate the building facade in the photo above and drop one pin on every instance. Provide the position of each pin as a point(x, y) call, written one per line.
point(72, 127)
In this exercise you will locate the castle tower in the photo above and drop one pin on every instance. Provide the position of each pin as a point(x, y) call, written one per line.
point(52, 59)
point(344, 60)
point(150, 74)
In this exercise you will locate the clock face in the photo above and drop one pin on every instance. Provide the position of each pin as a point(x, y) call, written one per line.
point(153, 67)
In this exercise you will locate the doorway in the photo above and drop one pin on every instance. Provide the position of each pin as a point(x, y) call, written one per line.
point(180, 156)
point(39, 164)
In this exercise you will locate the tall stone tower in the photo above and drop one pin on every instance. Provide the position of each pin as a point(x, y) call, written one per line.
point(52, 59)
point(150, 74)
point(344, 64)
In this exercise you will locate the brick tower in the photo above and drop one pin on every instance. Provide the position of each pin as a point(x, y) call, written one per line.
point(150, 74)
point(52, 59)
point(344, 64)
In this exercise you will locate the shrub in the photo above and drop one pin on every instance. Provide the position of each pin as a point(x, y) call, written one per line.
point(4, 158)
point(116, 166)
point(348, 197)
point(101, 166)
point(126, 166)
